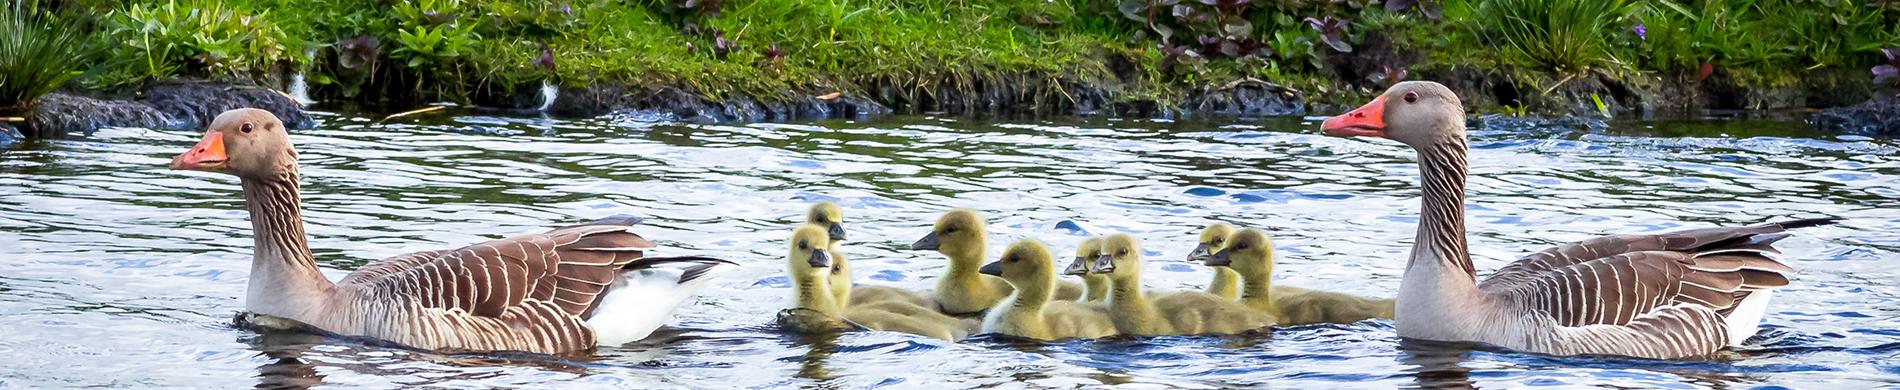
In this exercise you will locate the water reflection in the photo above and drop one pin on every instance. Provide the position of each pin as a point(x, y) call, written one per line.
point(1436, 364)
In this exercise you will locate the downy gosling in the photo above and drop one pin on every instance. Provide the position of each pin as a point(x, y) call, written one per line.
point(1031, 310)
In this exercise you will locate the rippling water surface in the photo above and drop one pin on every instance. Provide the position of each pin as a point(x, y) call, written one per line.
point(117, 272)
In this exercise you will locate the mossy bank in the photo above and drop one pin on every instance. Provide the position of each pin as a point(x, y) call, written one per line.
point(788, 59)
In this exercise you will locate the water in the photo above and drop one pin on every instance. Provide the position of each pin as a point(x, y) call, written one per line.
point(118, 272)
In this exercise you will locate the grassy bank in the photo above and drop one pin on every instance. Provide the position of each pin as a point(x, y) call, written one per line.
point(1160, 52)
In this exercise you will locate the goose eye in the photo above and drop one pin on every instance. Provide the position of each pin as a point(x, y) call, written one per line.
point(246, 127)
point(1411, 97)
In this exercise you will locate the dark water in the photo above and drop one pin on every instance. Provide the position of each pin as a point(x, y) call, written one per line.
point(117, 272)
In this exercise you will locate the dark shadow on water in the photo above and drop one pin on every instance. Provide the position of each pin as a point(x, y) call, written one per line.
point(1442, 365)
point(1437, 364)
point(289, 367)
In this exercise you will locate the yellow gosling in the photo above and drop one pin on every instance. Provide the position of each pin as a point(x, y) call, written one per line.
point(1183, 312)
point(1031, 310)
point(1226, 283)
point(1094, 285)
point(962, 291)
point(830, 216)
point(1250, 253)
point(815, 308)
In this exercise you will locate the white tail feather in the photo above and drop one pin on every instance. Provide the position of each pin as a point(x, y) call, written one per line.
point(1745, 320)
point(642, 300)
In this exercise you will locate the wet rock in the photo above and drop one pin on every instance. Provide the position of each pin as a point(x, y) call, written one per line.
point(59, 114)
point(193, 105)
point(9, 136)
point(1248, 97)
point(1879, 116)
point(183, 106)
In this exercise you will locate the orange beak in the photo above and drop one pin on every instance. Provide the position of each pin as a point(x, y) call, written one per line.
point(1366, 121)
point(208, 155)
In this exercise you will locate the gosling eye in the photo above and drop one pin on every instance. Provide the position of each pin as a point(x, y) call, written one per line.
point(804, 246)
point(1217, 241)
point(246, 127)
point(1123, 252)
point(1411, 97)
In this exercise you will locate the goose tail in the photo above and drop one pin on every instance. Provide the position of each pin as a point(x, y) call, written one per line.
point(647, 293)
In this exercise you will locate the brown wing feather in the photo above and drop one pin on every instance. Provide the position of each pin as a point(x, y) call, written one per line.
point(1757, 239)
point(515, 280)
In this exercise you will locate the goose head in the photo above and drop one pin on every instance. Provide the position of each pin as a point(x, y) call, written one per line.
point(1025, 263)
point(827, 214)
point(808, 257)
point(1416, 113)
point(1120, 257)
point(1085, 255)
point(958, 234)
point(246, 142)
point(1249, 252)
point(1213, 239)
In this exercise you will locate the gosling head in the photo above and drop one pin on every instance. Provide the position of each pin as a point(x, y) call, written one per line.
point(1085, 255)
point(246, 142)
point(1213, 238)
point(1023, 262)
point(1120, 256)
point(1249, 252)
point(808, 255)
point(827, 214)
point(957, 233)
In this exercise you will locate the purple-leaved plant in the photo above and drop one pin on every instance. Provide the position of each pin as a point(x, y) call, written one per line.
point(1889, 74)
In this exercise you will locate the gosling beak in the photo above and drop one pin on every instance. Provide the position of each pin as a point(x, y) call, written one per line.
point(994, 268)
point(1366, 121)
point(1078, 267)
point(207, 155)
point(1199, 253)
point(820, 259)
point(837, 231)
point(1104, 264)
point(929, 242)
point(1220, 259)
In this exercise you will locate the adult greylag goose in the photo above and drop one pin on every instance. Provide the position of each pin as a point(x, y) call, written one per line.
point(1678, 294)
point(562, 291)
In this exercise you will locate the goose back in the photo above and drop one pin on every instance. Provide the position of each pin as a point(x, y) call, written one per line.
point(528, 293)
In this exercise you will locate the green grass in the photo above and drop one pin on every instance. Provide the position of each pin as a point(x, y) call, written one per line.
point(37, 55)
point(1563, 36)
point(433, 50)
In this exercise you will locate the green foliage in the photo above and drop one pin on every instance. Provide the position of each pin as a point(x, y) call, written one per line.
point(1150, 49)
point(1769, 34)
point(1564, 36)
point(194, 38)
point(37, 54)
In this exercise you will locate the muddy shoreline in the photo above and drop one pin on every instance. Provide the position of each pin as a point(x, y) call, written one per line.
point(188, 104)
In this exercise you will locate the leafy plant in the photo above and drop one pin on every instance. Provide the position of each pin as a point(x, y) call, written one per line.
point(196, 38)
point(1332, 31)
point(1565, 36)
point(37, 54)
point(1430, 8)
point(431, 34)
point(1888, 74)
